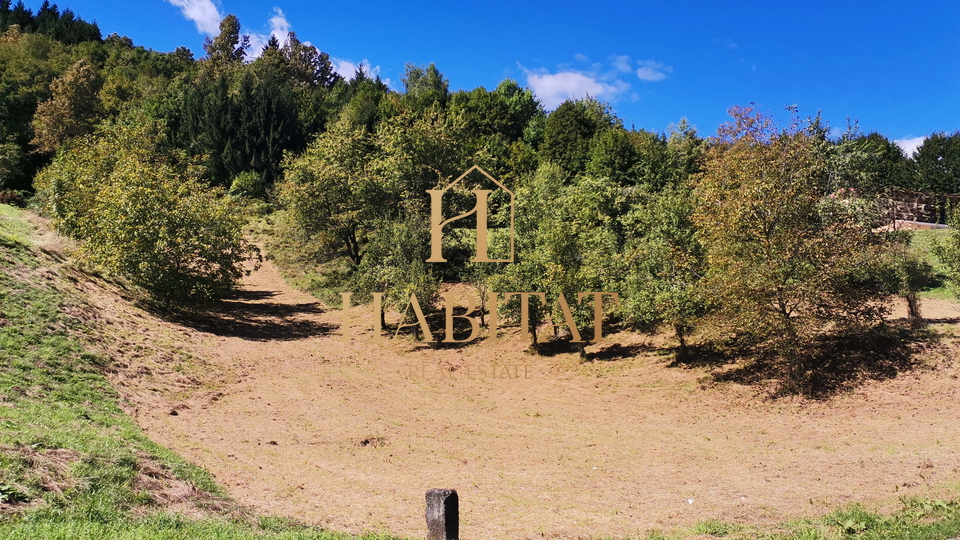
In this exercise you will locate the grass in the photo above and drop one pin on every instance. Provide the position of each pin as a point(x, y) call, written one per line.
point(919, 519)
point(923, 242)
point(72, 464)
point(165, 527)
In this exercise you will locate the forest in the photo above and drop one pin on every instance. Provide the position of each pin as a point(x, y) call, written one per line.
point(764, 238)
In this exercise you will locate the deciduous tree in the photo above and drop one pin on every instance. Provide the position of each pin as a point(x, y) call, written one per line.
point(782, 266)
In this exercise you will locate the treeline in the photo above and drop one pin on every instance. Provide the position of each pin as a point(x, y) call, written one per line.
point(63, 26)
point(764, 235)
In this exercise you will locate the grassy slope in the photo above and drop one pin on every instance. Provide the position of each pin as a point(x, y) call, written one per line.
point(923, 242)
point(69, 457)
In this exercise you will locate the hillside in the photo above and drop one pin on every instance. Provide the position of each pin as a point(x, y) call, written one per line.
point(72, 463)
point(294, 422)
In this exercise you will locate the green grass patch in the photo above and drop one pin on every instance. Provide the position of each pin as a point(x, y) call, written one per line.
point(918, 519)
point(164, 527)
point(14, 231)
point(923, 242)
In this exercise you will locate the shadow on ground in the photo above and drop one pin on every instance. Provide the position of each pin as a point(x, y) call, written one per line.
point(251, 316)
point(822, 368)
point(619, 352)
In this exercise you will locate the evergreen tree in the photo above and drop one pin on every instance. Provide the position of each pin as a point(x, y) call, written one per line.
point(308, 66)
point(570, 130)
point(938, 163)
point(267, 124)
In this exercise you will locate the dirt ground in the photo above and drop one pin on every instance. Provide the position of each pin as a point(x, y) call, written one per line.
point(294, 420)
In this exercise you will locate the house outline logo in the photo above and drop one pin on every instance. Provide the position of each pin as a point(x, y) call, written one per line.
point(437, 223)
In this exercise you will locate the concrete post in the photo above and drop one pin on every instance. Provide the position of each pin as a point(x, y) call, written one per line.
point(443, 515)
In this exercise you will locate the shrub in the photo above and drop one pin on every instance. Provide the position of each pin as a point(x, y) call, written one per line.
point(13, 198)
point(948, 252)
point(248, 184)
point(143, 214)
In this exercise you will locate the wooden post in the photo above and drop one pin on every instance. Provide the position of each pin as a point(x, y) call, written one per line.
point(443, 515)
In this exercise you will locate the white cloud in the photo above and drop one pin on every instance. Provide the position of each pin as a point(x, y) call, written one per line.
point(555, 88)
point(279, 28)
point(653, 71)
point(581, 58)
point(347, 68)
point(910, 144)
point(203, 13)
point(621, 63)
point(600, 80)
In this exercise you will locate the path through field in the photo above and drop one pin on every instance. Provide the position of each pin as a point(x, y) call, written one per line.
point(349, 435)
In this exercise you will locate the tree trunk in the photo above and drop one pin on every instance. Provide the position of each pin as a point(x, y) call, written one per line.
point(681, 337)
point(913, 310)
point(534, 325)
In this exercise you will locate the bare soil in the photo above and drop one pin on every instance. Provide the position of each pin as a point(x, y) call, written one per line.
point(295, 420)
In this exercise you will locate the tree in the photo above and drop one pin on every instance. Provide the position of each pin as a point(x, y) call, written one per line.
point(869, 163)
point(685, 151)
point(886, 164)
point(28, 65)
point(362, 104)
point(425, 88)
point(11, 162)
point(938, 163)
point(785, 263)
point(205, 124)
point(565, 245)
point(72, 110)
point(665, 264)
point(266, 126)
point(307, 65)
point(948, 253)
point(506, 111)
point(228, 47)
point(175, 238)
point(239, 121)
point(64, 26)
point(424, 150)
point(394, 263)
point(337, 195)
point(612, 155)
point(570, 130)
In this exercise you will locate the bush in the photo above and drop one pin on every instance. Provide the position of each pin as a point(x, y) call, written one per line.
point(948, 253)
point(13, 198)
point(143, 214)
point(248, 184)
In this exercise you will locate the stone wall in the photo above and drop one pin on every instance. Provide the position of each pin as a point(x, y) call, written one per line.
point(909, 205)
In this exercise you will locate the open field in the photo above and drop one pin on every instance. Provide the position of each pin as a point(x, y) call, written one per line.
point(349, 435)
point(292, 421)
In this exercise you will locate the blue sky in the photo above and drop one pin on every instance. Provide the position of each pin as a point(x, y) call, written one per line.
point(894, 66)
